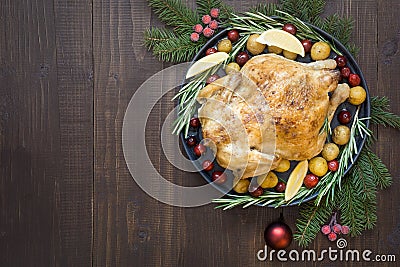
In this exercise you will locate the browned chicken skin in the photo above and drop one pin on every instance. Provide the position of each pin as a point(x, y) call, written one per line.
point(239, 116)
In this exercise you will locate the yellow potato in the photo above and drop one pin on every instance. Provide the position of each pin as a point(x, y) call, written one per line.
point(330, 151)
point(242, 186)
point(224, 46)
point(289, 55)
point(320, 51)
point(318, 166)
point(268, 181)
point(357, 95)
point(232, 67)
point(274, 49)
point(341, 135)
point(253, 46)
point(283, 166)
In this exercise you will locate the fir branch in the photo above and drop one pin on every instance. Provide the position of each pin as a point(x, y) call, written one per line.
point(369, 210)
point(362, 180)
point(268, 9)
point(380, 114)
point(310, 220)
point(353, 49)
point(370, 162)
point(339, 27)
point(154, 35)
point(176, 14)
point(179, 49)
point(204, 7)
point(306, 10)
point(350, 205)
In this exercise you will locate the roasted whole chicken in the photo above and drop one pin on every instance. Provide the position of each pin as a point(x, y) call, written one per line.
point(273, 109)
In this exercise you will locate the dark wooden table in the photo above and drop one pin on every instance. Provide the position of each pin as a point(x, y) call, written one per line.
point(67, 72)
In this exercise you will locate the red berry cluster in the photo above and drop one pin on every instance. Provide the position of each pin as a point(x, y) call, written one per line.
point(210, 25)
point(334, 228)
point(352, 78)
point(199, 150)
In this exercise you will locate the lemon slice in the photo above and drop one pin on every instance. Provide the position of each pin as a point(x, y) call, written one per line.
point(296, 179)
point(206, 63)
point(282, 39)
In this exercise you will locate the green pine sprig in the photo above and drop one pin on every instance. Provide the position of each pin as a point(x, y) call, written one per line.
point(306, 10)
point(310, 221)
point(376, 168)
point(380, 114)
point(341, 28)
point(172, 48)
point(176, 14)
point(268, 9)
point(154, 36)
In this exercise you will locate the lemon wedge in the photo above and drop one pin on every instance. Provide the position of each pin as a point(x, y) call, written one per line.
point(282, 39)
point(296, 179)
point(206, 63)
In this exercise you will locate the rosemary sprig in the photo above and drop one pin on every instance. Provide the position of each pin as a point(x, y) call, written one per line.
point(257, 22)
point(187, 100)
point(326, 128)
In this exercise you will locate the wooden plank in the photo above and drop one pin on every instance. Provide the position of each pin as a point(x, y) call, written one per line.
point(73, 22)
point(46, 133)
point(388, 80)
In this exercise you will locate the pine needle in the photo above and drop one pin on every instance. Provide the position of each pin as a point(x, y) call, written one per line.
point(350, 205)
point(339, 27)
point(268, 9)
point(176, 14)
point(154, 35)
point(306, 10)
point(178, 49)
point(310, 220)
point(380, 114)
point(378, 170)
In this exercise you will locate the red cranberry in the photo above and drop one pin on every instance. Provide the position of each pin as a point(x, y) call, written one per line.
point(258, 192)
point(333, 165)
point(208, 165)
point(326, 229)
point(307, 44)
point(194, 122)
point(354, 79)
point(211, 50)
point(311, 180)
point(199, 150)
point(344, 117)
point(290, 28)
point(341, 61)
point(219, 177)
point(242, 58)
point(212, 78)
point(191, 141)
point(280, 187)
point(345, 72)
point(345, 229)
point(337, 228)
point(233, 35)
point(332, 236)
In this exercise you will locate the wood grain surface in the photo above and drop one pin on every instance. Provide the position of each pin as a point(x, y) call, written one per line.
point(68, 70)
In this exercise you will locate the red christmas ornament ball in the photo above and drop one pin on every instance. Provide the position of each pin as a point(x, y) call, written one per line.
point(278, 235)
